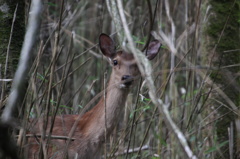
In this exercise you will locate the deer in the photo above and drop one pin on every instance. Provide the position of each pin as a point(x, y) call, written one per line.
point(89, 135)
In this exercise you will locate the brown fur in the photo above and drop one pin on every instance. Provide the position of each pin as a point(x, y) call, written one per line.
point(90, 131)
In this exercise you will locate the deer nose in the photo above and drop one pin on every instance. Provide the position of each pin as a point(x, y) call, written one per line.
point(127, 80)
point(126, 77)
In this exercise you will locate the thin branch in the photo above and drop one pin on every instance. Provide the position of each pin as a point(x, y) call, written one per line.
point(51, 136)
point(146, 69)
point(5, 80)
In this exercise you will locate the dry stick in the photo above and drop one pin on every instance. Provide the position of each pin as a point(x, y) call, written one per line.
point(193, 62)
point(76, 57)
point(22, 136)
point(41, 84)
point(65, 74)
point(4, 80)
point(49, 91)
point(145, 68)
point(112, 9)
point(134, 116)
point(152, 19)
point(6, 62)
point(165, 85)
point(33, 69)
point(210, 82)
point(72, 71)
point(164, 88)
point(41, 96)
point(207, 79)
point(57, 34)
point(173, 51)
point(133, 150)
point(115, 148)
point(191, 132)
point(43, 49)
point(36, 64)
point(154, 114)
point(191, 75)
point(105, 112)
point(219, 66)
point(52, 136)
point(56, 71)
point(37, 60)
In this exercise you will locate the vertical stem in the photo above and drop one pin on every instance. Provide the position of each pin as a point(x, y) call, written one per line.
point(6, 62)
point(105, 113)
point(112, 9)
point(145, 69)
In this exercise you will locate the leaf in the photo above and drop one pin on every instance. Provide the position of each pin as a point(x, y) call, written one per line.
point(51, 4)
point(137, 40)
point(64, 106)
point(80, 106)
point(40, 76)
point(140, 42)
point(53, 102)
point(147, 99)
point(164, 47)
point(146, 107)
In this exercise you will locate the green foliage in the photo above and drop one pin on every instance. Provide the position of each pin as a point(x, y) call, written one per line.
point(141, 109)
point(51, 4)
point(145, 106)
point(41, 77)
point(137, 40)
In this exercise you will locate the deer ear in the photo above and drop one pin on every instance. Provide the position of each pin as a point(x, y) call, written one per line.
point(153, 49)
point(107, 45)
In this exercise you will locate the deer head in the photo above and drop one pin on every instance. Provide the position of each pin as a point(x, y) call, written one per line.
point(125, 69)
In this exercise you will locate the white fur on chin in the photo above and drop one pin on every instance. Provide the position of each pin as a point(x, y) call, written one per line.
point(123, 86)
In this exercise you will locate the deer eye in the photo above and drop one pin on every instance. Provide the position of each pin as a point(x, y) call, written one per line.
point(115, 62)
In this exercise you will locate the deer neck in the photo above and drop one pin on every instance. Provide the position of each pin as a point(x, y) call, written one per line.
point(115, 100)
point(110, 107)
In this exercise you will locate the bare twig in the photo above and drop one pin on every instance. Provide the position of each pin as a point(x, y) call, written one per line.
point(6, 80)
point(52, 136)
point(112, 9)
point(145, 68)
